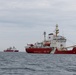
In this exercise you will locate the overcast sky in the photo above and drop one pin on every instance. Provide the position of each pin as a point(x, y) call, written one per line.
point(24, 21)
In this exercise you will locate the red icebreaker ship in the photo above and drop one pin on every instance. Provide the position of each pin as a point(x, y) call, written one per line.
point(55, 44)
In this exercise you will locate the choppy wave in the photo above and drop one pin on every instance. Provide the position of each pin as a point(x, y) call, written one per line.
point(22, 63)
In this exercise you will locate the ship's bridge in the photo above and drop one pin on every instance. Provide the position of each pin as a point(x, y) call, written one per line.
point(59, 39)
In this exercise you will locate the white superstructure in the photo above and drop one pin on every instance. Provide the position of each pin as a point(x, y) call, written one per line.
point(56, 40)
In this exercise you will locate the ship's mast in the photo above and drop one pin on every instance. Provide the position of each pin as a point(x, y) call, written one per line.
point(56, 30)
point(44, 36)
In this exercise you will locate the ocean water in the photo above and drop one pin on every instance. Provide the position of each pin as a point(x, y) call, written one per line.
point(22, 63)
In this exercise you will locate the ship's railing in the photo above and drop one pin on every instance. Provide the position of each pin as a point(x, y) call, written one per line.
point(38, 47)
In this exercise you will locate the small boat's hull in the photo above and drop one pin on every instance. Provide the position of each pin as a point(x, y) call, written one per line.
point(16, 51)
point(11, 50)
point(39, 50)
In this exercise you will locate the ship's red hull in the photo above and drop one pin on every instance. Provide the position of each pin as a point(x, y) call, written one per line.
point(39, 50)
point(48, 51)
point(73, 51)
